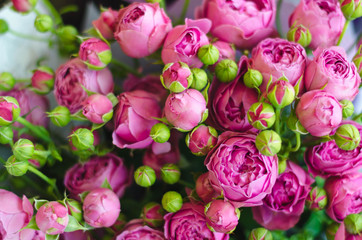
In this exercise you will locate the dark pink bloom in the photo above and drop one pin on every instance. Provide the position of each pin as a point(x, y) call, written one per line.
point(106, 23)
point(52, 218)
point(96, 53)
point(98, 108)
point(222, 216)
point(204, 188)
point(135, 229)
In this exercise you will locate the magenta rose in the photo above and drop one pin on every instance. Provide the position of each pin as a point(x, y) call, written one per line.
point(71, 77)
point(245, 22)
point(204, 188)
point(230, 102)
point(183, 42)
point(277, 58)
point(133, 119)
point(15, 213)
point(93, 173)
point(52, 218)
point(189, 223)
point(253, 175)
point(106, 23)
point(319, 112)
point(323, 18)
point(331, 71)
point(135, 229)
point(282, 208)
point(344, 196)
point(141, 29)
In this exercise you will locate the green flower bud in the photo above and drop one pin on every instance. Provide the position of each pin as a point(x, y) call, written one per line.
point(226, 70)
point(348, 108)
point(145, 176)
point(332, 230)
point(4, 27)
point(261, 115)
point(10, 110)
point(200, 79)
point(7, 81)
point(82, 139)
point(23, 149)
point(260, 234)
point(67, 34)
point(281, 93)
point(40, 156)
point(347, 137)
point(43, 23)
point(268, 142)
point(75, 209)
point(170, 173)
point(160, 133)
point(16, 167)
point(6, 135)
point(282, 165)
point(60, 116)
point(316, 199)
point(253, 78)
point(299, 34)
point(208, 54)
point(294, 124)
point(172, 201)
point(353, 223)
point(351, 9)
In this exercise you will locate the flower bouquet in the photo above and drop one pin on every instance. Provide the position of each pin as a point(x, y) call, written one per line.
point(217, 125)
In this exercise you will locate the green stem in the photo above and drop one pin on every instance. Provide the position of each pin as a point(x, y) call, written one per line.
point(29, 37)
point(277, 120)
point(183, 13)
point(36, 130)
point(297, 146)
point(278, 20)
point(186, 184)
point(58, 19)
point(46, 179)
point(125, 67)
point(343, 32)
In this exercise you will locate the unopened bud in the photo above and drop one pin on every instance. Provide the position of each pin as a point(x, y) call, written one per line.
point(281, 93)
point(10, 110)
point(299, 34)
point(208, 54)
point(43, 23)
point(260, 234)
point(172, 201)
point(152, 214)
point(226, 70)
point(316, 199)
point(351, 9)
point(347, 108)
point(16, 167)
point(82, 139)
point(201, 140)
point(268, 142)
point(261, 115)
point(170, 173)
point(23, 149)
point(60, 116)
point(7, 81)
point(42, 80)
point(253, 78)
point(200, 80)
point(347, 137)
point(160, 133)
point(6, 135)
point(353, 223)
point(145, 176)
point(176, 77)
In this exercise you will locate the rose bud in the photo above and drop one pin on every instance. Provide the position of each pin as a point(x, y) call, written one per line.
point(347, 108)
point(82, 139)
point(351, 9)
point(60, 116)
point(268, 142)
point(160, 133)
point(319, 112)
point(106, 23)
point(176, 77)
point(208, 54)
point(260, 234)
point(68, 40)
point(204, 188)
point(200, 79)
point(95, 53)
point(353, 223)
point(52, 218)
point(261, 115)
point(281, 93)
point(170, 173)
point(42, 80)
point(16, 167)
point(141, 29)
point(226, 70)
point(98, 109)
point(172, 201)
point(101, 208)
point(152, 214)
point(183, 42)
point(43, 23)
point(75, 209)
point(9, 110)
point(145, 176)
point(317, 199)
point(24, 6)
point(185, 110)
point(221, 216)
point(331, 70)
point(299, 34)
point(357, 60)
point(253, 78)
point(7, 81)
point(6, 135)
point(23, 149)
point(226, 50)
point(294, 124)
point(347, 137)
point(136, 229)
point(313, 15)
point(4, 27)
point(201, 140)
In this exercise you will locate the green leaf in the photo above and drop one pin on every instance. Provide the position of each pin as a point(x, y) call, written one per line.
point(112, 98)
point(96, 126)
point(31, 225)
point(83, 195)
point(51, 237)
point(39, 202)
point(297, 86)
point(79, 116)
point(74, 225)
point(106, 184)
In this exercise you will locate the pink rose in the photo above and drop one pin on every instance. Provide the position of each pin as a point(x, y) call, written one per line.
point(93, 173)
point(15, 213)
point(222, 216)
point(71, 77)
point(189, 223)
point(319, 112)
point(331, 71)
point(134, 118)
point(135, 229)
point(183, 42)
point(98, 108)
point(30, 234)
point(204, 188)
point(230, 102)
point(106, 23)
point(245, 22)
point(52, 218)
point(226, 50)
point(95, 53)
point(141, 29)
point(277, 58)
point(282, 208)
point(323, 18)
point(344, 196)
point(253, 174)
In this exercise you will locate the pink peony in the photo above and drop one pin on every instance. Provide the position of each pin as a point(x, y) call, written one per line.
point(135, 229)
